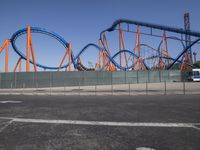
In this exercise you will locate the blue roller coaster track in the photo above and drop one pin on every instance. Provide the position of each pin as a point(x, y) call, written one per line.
point(98, 48)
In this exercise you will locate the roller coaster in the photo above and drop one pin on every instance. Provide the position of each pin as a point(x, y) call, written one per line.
point(122, 59)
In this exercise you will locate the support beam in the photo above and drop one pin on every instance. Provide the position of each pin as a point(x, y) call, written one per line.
point(122, 46)
point(30, 51)
point(164, 53)
point(5, 45)
point(69, 53)
point(18, 64)
point(69, 56)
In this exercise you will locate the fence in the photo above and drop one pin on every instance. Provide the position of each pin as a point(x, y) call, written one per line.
point(66, 79)
point(161, 88)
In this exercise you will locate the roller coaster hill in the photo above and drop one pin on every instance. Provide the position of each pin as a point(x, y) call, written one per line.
point(126, 45)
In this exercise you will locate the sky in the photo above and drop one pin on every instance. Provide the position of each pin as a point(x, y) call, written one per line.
point(81, 21)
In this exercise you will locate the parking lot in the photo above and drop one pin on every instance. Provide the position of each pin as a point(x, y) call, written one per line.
point(159, 122)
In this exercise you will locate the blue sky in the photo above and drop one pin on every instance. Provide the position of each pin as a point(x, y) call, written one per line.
point(81, 21)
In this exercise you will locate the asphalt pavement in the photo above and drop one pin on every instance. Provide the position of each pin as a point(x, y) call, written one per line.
point(170, 122)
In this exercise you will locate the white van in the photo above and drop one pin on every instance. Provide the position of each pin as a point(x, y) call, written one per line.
point(195, 75)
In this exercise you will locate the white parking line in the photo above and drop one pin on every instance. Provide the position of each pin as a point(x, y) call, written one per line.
point(6, 125)
point(104, 123)
point(144, 148)
point(4, 102)
point(196, 128)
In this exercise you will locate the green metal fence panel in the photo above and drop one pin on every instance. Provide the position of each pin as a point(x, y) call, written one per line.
point(87, 78)
point(143, 76)
point(76, 78)
point(43, 79)
point(7, 80)
point(90, 78)
point(131, 77)
point(164, 75)
point(175, 75)
point(185, 75)
point(23, 80)
point(104, 78)
point(154, 76)
point(118, 77)
point(58, 79)
point(67, 78)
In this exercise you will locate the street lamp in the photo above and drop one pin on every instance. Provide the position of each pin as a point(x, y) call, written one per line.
point(195, 54)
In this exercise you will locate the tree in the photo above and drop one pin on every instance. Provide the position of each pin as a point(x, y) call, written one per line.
point(197, 64)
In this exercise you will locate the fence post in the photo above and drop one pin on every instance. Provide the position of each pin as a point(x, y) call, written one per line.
point(64, 88)
point(79, 88)
point(49, 84)
point(36, 88)
point(146, 88)
point(50, 88)
point(184, 87)
point(112, 88)
point(15, 80)
point(23, 88)
point(125, 78)
point(165, 84)
point(11, 88)
point(160, 75)
point(95, 89)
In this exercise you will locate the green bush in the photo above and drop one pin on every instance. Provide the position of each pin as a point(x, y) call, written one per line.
point(197, 64)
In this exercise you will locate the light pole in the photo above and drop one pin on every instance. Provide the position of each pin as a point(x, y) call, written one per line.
point(195, 54)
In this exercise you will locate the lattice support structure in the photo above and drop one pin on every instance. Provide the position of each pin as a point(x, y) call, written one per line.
point(187, 57)
point(188, 37)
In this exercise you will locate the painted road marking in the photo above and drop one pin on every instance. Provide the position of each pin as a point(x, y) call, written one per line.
point(144, 148)
point(16, 102)
point(196, 128)
point(104, 123)
point(6, 125)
